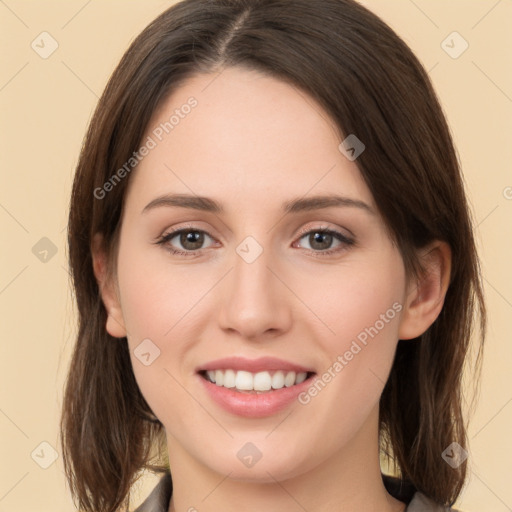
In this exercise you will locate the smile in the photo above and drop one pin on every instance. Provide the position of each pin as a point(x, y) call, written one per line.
point(254, 388)
point(245, 381)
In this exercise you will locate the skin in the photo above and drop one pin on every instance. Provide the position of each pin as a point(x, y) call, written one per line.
point(252, 143)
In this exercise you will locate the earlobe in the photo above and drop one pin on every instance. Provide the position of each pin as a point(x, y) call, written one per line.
point(425, 298)
point(115, 323)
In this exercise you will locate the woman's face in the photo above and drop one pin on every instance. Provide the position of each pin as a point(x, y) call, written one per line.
point(256, 295)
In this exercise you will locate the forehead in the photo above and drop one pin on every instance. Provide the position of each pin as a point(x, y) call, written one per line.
point(245, 136)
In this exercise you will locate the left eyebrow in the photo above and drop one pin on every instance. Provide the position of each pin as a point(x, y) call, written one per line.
point(293, 206)
point(327, 201)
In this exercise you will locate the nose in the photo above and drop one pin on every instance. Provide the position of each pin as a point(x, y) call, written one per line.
point(254, 302)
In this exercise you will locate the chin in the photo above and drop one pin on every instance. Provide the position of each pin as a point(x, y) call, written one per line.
point(265, 470)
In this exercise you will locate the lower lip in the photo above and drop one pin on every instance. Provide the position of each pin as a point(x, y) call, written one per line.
point(252, 405)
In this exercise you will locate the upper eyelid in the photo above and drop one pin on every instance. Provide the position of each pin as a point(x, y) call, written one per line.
point(327, 228)
point(323, 227)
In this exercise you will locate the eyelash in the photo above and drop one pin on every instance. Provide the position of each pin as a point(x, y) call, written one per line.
point(164, 239)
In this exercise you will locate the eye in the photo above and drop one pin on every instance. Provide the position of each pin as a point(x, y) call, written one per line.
point(321, 240)
point(191, 240)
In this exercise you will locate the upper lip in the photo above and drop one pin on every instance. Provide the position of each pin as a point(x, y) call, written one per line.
point(253, 365)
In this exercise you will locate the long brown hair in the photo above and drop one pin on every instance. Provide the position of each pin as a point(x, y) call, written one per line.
point(372, 85)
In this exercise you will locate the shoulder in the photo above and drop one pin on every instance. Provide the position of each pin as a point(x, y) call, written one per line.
point(160, 497)
point(416, 501)
point(420, 503)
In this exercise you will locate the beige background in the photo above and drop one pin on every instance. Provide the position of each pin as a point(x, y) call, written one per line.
point(45, 107)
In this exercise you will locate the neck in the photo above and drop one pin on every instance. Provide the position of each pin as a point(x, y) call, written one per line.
point(349, 481)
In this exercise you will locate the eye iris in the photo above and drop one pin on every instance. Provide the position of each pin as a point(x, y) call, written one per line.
point(318, 237)
point(194, 237)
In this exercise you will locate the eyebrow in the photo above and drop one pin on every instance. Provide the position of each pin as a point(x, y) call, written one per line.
point(293, 206)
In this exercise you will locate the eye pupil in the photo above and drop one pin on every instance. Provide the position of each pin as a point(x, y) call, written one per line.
point(318, 237)
point(193, 237)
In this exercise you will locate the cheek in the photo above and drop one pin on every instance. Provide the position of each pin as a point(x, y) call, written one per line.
point(161, 312)
point(155, 295)
point(360, 300)
point(363, 309)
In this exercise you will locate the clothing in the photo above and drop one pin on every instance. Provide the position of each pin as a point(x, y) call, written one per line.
point(160, 497)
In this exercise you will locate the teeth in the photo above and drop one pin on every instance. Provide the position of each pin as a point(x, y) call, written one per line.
point(278, 380)
point(229, 379)
point(301, 377)
point(289, 380)
point(243, 381)
point(261, 381)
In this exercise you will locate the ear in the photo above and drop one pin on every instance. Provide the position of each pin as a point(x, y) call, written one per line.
point(115, 323)
point(425, 298)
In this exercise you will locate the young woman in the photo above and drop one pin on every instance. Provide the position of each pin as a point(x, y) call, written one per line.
point(275, 270)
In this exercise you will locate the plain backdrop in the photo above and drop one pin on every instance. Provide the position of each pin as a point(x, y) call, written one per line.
point(46, 102)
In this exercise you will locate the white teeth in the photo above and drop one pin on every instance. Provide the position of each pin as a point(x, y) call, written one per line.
point(301, 377)
point(289, 380)
point(261, 381)
point(229, 379)
point(278, 380)
point(243, 381)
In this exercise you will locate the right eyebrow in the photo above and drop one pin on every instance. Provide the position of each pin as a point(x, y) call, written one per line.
point(185, 201)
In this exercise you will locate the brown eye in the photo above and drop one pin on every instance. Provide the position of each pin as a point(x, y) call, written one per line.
point(186, 241)
point(191, 240)
point(321, 241)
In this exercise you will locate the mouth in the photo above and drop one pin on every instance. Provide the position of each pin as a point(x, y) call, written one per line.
point(255, 383)
point(254, 388)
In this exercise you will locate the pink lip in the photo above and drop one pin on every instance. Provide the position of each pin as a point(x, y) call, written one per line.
point(253, 365)
point(250, 405)
point(253, 405)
